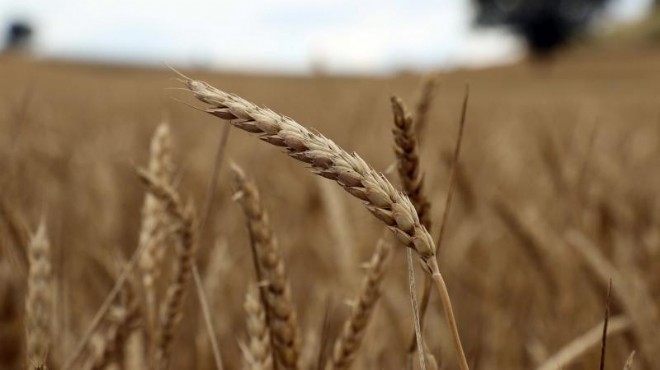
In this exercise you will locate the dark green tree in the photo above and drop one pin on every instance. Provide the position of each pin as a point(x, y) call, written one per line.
point(546, 25)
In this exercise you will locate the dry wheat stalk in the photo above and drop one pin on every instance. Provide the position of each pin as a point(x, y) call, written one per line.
point(271, 270)
point(259, 356)
point(584, 343)
point(350, 339)
point(628, 291)
point(155, 220)
point(39, 302)
point(172, 305)
point(424, 103)
point(350, 171)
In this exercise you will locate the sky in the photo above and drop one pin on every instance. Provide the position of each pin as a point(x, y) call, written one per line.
point(286, 36)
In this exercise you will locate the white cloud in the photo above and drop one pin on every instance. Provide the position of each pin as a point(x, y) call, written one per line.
point(366, 36)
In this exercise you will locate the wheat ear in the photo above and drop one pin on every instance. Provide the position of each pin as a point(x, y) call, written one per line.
point(350, 171)
point(407, 155)
point(39, 300)
point(155, 221)
point(407, 160)
point(184, 219)
point(271, 271)
point(259, 354)
point(326, 159)
point(350, 339)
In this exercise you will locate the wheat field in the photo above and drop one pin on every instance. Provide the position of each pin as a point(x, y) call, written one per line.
point(138, 232)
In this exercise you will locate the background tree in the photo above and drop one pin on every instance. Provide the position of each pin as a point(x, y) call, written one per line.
point(544, 24)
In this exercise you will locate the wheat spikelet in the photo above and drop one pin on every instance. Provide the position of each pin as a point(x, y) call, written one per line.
point(347, 345)
point(271, 270)
point(155, 220)
point(326, 159)
point(172, 306)
point(259, 356)
point(407, 156)
point(38, 303)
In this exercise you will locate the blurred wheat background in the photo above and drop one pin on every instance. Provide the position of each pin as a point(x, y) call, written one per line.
point(555, 196)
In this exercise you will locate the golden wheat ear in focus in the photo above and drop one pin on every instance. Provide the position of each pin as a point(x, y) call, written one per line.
point(348, 170)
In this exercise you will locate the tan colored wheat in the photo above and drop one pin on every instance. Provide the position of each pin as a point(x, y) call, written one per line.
point(271, 270)
point(39, 300)
point(259, 356)
point(352, 334)
point(185, 229)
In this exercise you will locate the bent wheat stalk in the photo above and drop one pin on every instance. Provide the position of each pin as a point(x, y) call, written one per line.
point(350, 171)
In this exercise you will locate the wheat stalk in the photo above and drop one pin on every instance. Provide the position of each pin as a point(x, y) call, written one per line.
point(584, 343)
point(350, 171)
point(39, 302)
point(155, 221)
point(349, 341)
point(271, 270)
point(424, 103)
point(173, 303)
point(259, 354)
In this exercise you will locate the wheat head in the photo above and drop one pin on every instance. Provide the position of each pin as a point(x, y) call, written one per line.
point(271, 270)
point(326, 159)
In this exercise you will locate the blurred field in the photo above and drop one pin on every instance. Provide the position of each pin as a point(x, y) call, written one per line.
point(570, 147)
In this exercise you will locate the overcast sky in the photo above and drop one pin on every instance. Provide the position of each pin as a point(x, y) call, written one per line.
point(293, 36)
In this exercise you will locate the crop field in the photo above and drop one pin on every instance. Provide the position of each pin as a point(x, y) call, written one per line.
point(137, 231)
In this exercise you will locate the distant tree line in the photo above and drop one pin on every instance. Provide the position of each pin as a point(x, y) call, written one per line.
point(545, 25)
